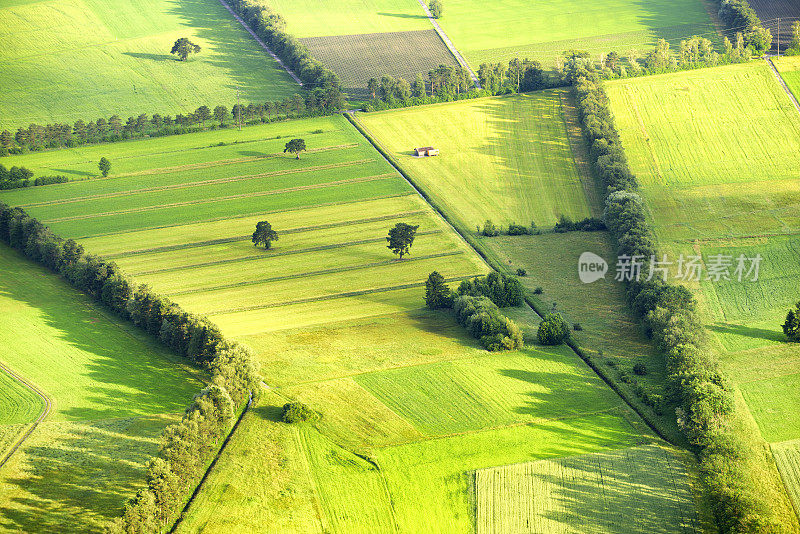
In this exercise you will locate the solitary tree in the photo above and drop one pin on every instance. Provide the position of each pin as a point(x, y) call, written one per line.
point(401, 237)
point(104, 166)
point(264, 235)
point(792, 325)
point(435, 8)
point(553, 330)
point(295, 146)
point(183, 47)
point(437, 294)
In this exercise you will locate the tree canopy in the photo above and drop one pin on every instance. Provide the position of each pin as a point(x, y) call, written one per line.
point(437, 294)
point(183, 47)
point(401, 237)
point(104, 166)
point(436, 8)
point(792, 325)
point(264, 234)
point(295, 146)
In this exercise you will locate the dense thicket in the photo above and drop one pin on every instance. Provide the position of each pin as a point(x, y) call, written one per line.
point(483, 320)
point(187, 446)
point(707, 412)
point(17, 177)
point(739, 16)
point(502, 290)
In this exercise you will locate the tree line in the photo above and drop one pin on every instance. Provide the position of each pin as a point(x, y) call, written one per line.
point(186, 446)
point(707, 412)
point(37, 137)
point(17, 177)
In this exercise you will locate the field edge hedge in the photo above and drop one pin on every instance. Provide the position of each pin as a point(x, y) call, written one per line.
point(188, 447)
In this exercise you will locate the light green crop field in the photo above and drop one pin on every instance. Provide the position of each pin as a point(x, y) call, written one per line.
point(787, 456)
point(509, 29)
point(322, 18)
point(789, 67)
point(511, 154)
point(18, 404)
point(589, 494)
point(64, 60)
point(736, 195)
point(112, 390)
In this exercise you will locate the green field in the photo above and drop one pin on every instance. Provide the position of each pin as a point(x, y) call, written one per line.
point(589, 493)
point(64, 60)
point(507, 159)
point(787, 456)
point(745, 202)
point(321, 18)
point(789, 68)
point(18, 404)
point(112, 388)
point(511, 29)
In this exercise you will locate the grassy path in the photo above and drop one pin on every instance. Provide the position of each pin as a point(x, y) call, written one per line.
point(48, 404)
point(783, 83)
point(450, 46)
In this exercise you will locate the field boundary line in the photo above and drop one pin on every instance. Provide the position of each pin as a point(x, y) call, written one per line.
point(312, 273)
point(262, 43)
point(334, 296)
point(254, 257)
point(246, 215)
point(495, 265)
point(231, 239)
point(143, 209)
point(777, 74)
point(200, 183)
point(196, 491)
point(48, 405)
point(449, 44)
point(220, 162)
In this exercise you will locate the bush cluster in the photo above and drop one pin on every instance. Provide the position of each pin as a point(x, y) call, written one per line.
point(738, 15)
point(483, 320)
point(502, 290)
point(186, 446)
point(297, 412)
point(707, 412)
point(553, 330)
point(491, 230)
point(17, 177)
point(589, 224)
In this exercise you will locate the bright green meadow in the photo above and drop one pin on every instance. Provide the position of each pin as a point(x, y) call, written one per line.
point(64, 60)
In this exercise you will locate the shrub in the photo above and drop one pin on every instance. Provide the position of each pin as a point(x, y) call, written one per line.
point(297, 412)
point(522, 272)
point(791, 327)
point(577, 327)
point(503, 290)
point(483, 320)
point(489, 229)
point(639, 369)
point(538, 291)
point(518, 229)
point(552, 330)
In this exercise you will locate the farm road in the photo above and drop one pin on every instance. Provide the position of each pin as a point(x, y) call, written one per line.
point(448, 43)
point(259, 41)
point(47, 407)
point(783, 83)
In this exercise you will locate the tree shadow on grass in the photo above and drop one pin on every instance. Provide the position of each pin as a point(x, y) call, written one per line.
point(152, 57)
point(402, 16)
point(73, 172)
point(747, 331)
point(73, 477)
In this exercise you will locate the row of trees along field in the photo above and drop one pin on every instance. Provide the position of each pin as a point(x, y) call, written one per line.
point(36, 137)
point(187, 446)
point(731, 457)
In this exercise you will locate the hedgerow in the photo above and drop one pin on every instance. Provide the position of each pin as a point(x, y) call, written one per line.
point(483, 320)
point(502, 290)
point(707, 412)
point(186, 446)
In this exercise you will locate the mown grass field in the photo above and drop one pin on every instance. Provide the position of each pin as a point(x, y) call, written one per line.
point(112, 388)
point(589, 493)
point(787, 456)
point(789, 68)
point(64, 60)
point(322, 18)
point(511, 154)
point(511, 29)
point(735, 195)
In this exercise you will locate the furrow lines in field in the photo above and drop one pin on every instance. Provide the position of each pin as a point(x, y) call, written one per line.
point(198, 184)
point(335, 296)
point(273, 255)
point(314, 273)
point(230, 197)
point(245, 215)
point(232, 239)
point(223, 162)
